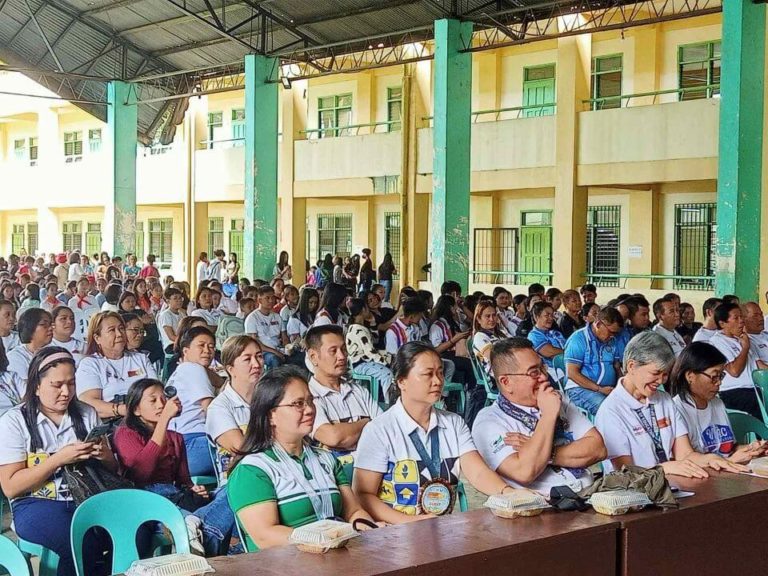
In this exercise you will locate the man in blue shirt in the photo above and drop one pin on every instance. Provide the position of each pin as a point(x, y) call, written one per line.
point(591, 361)
point(637, 320)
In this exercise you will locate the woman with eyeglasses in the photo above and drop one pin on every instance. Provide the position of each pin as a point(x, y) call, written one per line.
point(410, 458)
point(35, 333)
point(640, 423)
point(547, 341)
point(694, 384)
point(109, 368)
point(279, 481)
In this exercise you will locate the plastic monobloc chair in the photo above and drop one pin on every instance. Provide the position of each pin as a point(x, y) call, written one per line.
point(12, 560)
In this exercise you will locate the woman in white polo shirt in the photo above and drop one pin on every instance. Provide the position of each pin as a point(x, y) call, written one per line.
point(63, 329)
point(640, 423)
point(35, 332)
point(12, 388)
point(109, 369)
point(196, 386)
point(205, 309)
point(278, 481)
point(410, 458)
point(41, 436)
point(694, 384)
point(228, 414)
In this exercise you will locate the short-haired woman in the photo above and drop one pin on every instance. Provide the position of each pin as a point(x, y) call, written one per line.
point(546, 339)
point(694, 384)
point(279, 481)
point(640, 423)
point(35, 332)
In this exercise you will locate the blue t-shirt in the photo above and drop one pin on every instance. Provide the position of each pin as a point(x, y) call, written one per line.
point(594, 358)
point(540, 338)
point(621, 340)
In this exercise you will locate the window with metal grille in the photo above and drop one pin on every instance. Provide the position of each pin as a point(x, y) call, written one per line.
point(215, 127)
point(72, 236)
point(495, 251)
point(236, 228)
point(606, 81)
point(215, 235)
point(695, 241)
point(17, 239)
point(392, 235)
point(33, 151)
point(32, 238)
point(334, 235)
point(73, 146)
point(603, 243)
point(394, 107)
point(94, 140)
point(385, 184)
point(161, 239)
point(93, 237)
point(333, 113)
point(238, 127)
point(699, 67)
point(140, 241)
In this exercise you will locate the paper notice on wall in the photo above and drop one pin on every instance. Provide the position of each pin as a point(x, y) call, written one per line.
point(635, 251)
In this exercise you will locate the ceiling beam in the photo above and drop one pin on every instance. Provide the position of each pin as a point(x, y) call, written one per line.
point(107, 7)
point(216, 28)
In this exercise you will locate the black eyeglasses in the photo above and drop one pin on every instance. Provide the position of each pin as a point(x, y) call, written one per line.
point(535, 372)
point(714, 378)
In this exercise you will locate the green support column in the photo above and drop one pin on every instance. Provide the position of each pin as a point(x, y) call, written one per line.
point(741, 149)
point(451, 142)
point(261, 106)
point(119, 234)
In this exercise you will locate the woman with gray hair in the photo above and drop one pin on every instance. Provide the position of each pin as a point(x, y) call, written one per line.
point(640, 423)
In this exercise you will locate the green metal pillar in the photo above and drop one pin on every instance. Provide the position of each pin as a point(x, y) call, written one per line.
point(451, 143)
point(741, 149)
point(261, 106)
point(119, 234)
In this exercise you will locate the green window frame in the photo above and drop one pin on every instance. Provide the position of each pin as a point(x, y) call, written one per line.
point(238, 127)
point(33, 150)
point(72, 236)
point(607, 80)
point(139, 241)
point(695, 245)
point(33, 238)
point(20, 149)
point(539, 90)
point(215, 235)
point(17, 239)
point(699, 67)
point(73, 146)
point(93, 237)
point(334, 235)
point(161, 239)
point(604, 243)
point(215, 124)
point(94, 140)
point(236, 240)
point(394, 108)
point(393, 236)
point(333, 114)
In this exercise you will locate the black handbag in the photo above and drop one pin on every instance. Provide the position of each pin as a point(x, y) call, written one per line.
point(91, 477)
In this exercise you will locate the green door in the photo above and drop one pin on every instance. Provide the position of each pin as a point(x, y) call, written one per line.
point(535, 247)
point(539, 90)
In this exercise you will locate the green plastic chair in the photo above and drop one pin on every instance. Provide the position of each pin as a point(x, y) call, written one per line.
point(491, 393)
point(746, 428)
point(760, 379)
point(559, 363)
point(458, 389)
point(207, 481)
point(165, 374)
point(461, 494)
point(12, 559)
point(373, 385)
point(49, 560)
point(121, 513)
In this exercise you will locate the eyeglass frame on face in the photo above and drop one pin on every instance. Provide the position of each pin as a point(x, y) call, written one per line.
point(716, 378)
point(299, 405)
point(607, 327)
point(541, 368)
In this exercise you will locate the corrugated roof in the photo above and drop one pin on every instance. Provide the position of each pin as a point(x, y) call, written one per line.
point(126, 39)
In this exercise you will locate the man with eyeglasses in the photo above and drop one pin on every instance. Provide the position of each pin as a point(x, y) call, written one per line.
point(530, 435)
point(592, 362)
point(343, 407)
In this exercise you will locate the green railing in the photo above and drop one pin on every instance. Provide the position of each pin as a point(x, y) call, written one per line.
point(625, 99)
point(535, 110)
point(509, 276)
point(351, 130)
point(682, 282)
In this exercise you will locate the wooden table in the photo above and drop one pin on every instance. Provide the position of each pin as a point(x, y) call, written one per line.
point(461, 544)
point(720, 531)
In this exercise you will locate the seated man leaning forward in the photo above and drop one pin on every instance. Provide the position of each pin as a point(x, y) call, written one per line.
point(529, 436)
point(342, 407)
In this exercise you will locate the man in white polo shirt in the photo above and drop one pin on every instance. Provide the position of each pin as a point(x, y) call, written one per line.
point(342, 407)
point(737, 390)
point(708, 327)
point(667, 312)
point(265, 325)
point(753, 326)
point(530, 436)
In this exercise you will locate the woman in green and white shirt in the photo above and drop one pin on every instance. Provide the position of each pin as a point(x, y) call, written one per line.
point(282, 482)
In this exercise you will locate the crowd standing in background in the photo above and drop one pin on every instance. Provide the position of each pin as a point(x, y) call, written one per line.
point(336, 397)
